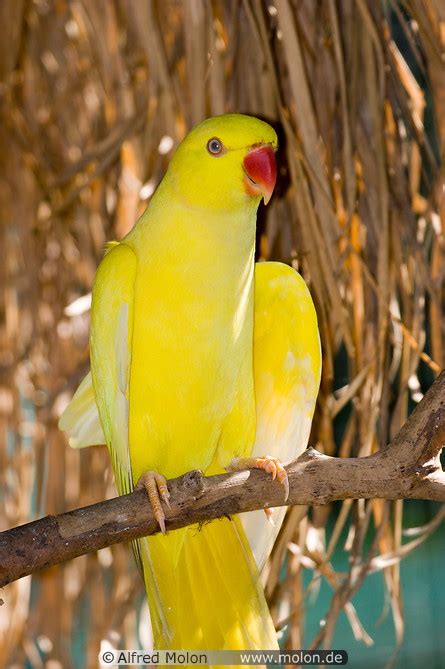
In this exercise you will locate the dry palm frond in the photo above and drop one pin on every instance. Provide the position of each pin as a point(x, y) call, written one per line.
point(93, 97)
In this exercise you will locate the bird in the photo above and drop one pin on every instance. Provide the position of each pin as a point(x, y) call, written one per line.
point(201, 359)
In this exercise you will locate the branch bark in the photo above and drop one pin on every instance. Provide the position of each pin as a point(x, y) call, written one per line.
point(409, 467)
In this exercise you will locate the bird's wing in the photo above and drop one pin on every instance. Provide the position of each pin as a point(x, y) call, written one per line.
point(80, 420)
point(287, 366)
point(110, 352)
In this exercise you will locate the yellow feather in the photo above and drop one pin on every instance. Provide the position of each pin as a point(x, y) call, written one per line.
point(81, 419)
point(187, 376)
point(191, 400)
point(287, 368)
point(110, 348)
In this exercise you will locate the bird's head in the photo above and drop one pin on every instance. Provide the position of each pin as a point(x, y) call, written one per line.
point(226, 162)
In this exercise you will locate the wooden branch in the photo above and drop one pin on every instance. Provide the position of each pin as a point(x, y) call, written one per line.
point(408, 468)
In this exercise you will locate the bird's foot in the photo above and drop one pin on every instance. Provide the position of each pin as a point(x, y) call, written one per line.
point(269, 515)
point(268, 463)
point(156, 488)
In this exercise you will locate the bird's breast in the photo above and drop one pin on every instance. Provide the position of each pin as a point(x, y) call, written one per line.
point(191, 382)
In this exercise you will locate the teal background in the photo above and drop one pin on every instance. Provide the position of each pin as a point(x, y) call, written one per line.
point(423, 604)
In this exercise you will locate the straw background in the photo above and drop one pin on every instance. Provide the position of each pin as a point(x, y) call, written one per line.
point(93, 98)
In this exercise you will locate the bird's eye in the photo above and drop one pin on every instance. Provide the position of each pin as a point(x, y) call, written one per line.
point(214, 146)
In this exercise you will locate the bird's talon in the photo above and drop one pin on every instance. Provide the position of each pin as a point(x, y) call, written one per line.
point(285, 483)
point(156, 488)
point(161, 523)
point(269, 515)
point(166, 500)
point(269, 464)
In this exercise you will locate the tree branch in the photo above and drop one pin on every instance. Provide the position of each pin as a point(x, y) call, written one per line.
point(409, 467)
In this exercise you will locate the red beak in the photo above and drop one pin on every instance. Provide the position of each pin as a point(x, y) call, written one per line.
point(260, 169)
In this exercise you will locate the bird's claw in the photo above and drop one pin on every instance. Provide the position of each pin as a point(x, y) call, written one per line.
point(268, 463)
point(156, 487)
point(269, 515)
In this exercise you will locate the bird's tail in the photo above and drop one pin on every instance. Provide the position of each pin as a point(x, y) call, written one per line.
point(204, 590)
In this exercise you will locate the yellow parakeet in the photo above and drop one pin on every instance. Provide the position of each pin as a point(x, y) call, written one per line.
point(199, 356)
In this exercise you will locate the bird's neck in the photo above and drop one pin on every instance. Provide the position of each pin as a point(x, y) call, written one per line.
point(209, 252)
